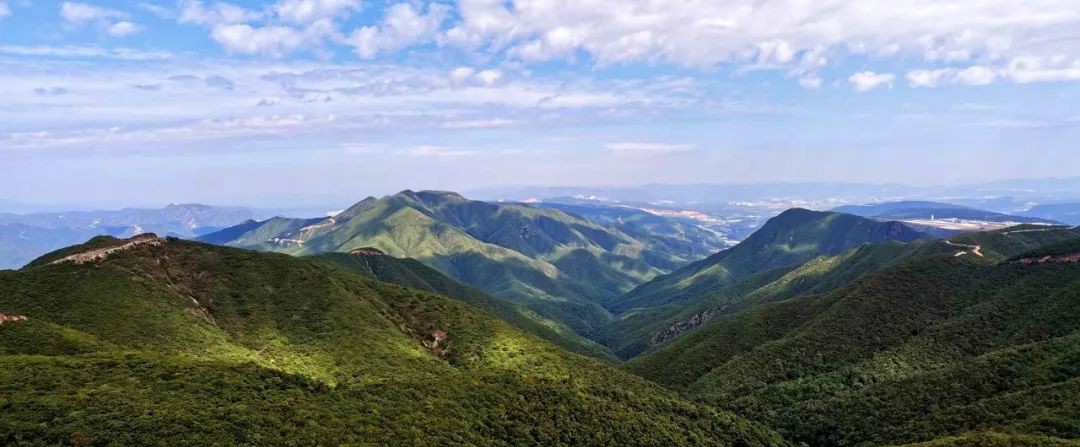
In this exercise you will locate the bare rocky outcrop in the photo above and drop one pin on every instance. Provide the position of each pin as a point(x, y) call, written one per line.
point(367, 251)
point(1074, 257)
point(5, 318)
point(687, 324)
point(101, 254)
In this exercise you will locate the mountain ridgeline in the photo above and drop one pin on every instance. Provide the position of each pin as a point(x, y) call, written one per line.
point(424, 318)
point(791, 238)
point(154, 340)
point(942, 343)
point(562, 266)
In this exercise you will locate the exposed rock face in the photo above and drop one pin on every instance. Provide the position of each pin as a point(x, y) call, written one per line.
point(1075, 257)
point(435, 344)
point(6, 318)
point(103, 253)
point(367, 251)
point(674, 330)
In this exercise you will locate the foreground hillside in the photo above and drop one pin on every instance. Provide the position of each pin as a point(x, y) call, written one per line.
point(977, 334)
point(560, 265)
point(155, 341)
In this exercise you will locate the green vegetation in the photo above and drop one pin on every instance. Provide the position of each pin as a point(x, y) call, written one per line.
point(823, 329)
point(991, 439)
point(559, 265)
point(790, 239)
point(183, 343)
point(931, 348)
point(414, 274)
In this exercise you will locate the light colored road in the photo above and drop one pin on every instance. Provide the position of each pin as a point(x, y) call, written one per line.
point(973, 249)
point(1032, 230)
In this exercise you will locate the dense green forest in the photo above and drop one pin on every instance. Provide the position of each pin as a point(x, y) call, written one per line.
point(822, 330)
point(562, 266)
point(937, 344)
point(169, 342)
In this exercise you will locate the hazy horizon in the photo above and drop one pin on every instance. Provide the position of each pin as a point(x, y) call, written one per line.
point(260, 102)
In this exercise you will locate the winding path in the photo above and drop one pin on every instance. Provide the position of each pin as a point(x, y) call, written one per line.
point(974, 249)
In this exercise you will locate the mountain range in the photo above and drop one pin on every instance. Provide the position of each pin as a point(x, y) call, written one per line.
point(425, 318)
point(24, 237)
point(561, 265)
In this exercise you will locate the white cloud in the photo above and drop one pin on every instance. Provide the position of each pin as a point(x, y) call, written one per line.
point(461, 76)
point(648, 148)
point(489, 77)
point(220, 13)
point(478, 124)
point(220, 101)
point(437, 151)
point(71, 51)
point(5, 10)
point(810, 82)
point(157, 10)
point(270, 40)
point(1043, 69)
point(79, 13)
point(307, 11)
point(123, 29)
point(929, 78)
point(773, 32)
point(974, 75)
point(865, 81)
point(795, 36)
point(401, 26)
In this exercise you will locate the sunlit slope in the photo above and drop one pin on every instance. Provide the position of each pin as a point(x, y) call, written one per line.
point(414, 274)
point(790, 239)
point(931, 347)
point(141, 341)
point(643, 329)
point(562, 266)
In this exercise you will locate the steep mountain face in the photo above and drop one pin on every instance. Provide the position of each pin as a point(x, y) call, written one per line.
point(971, 334)
point(373, 263)
point(129, 342)
point(559, 265)
point(790, 239)
point(24, 237)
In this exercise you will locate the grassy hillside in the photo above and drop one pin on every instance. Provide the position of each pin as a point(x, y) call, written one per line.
point(176, 342)
point(561, 266)
point(790, 239)
point(932, 347)
point(414, 274)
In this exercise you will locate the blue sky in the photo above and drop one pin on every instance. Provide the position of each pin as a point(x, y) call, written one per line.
point(291, 102)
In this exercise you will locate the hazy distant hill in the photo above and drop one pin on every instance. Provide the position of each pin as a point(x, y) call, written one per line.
point(151, 340)
point(937, 210)
point(1062, 212)
point(24, 237)
point(675, 235)
point(560, 265)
